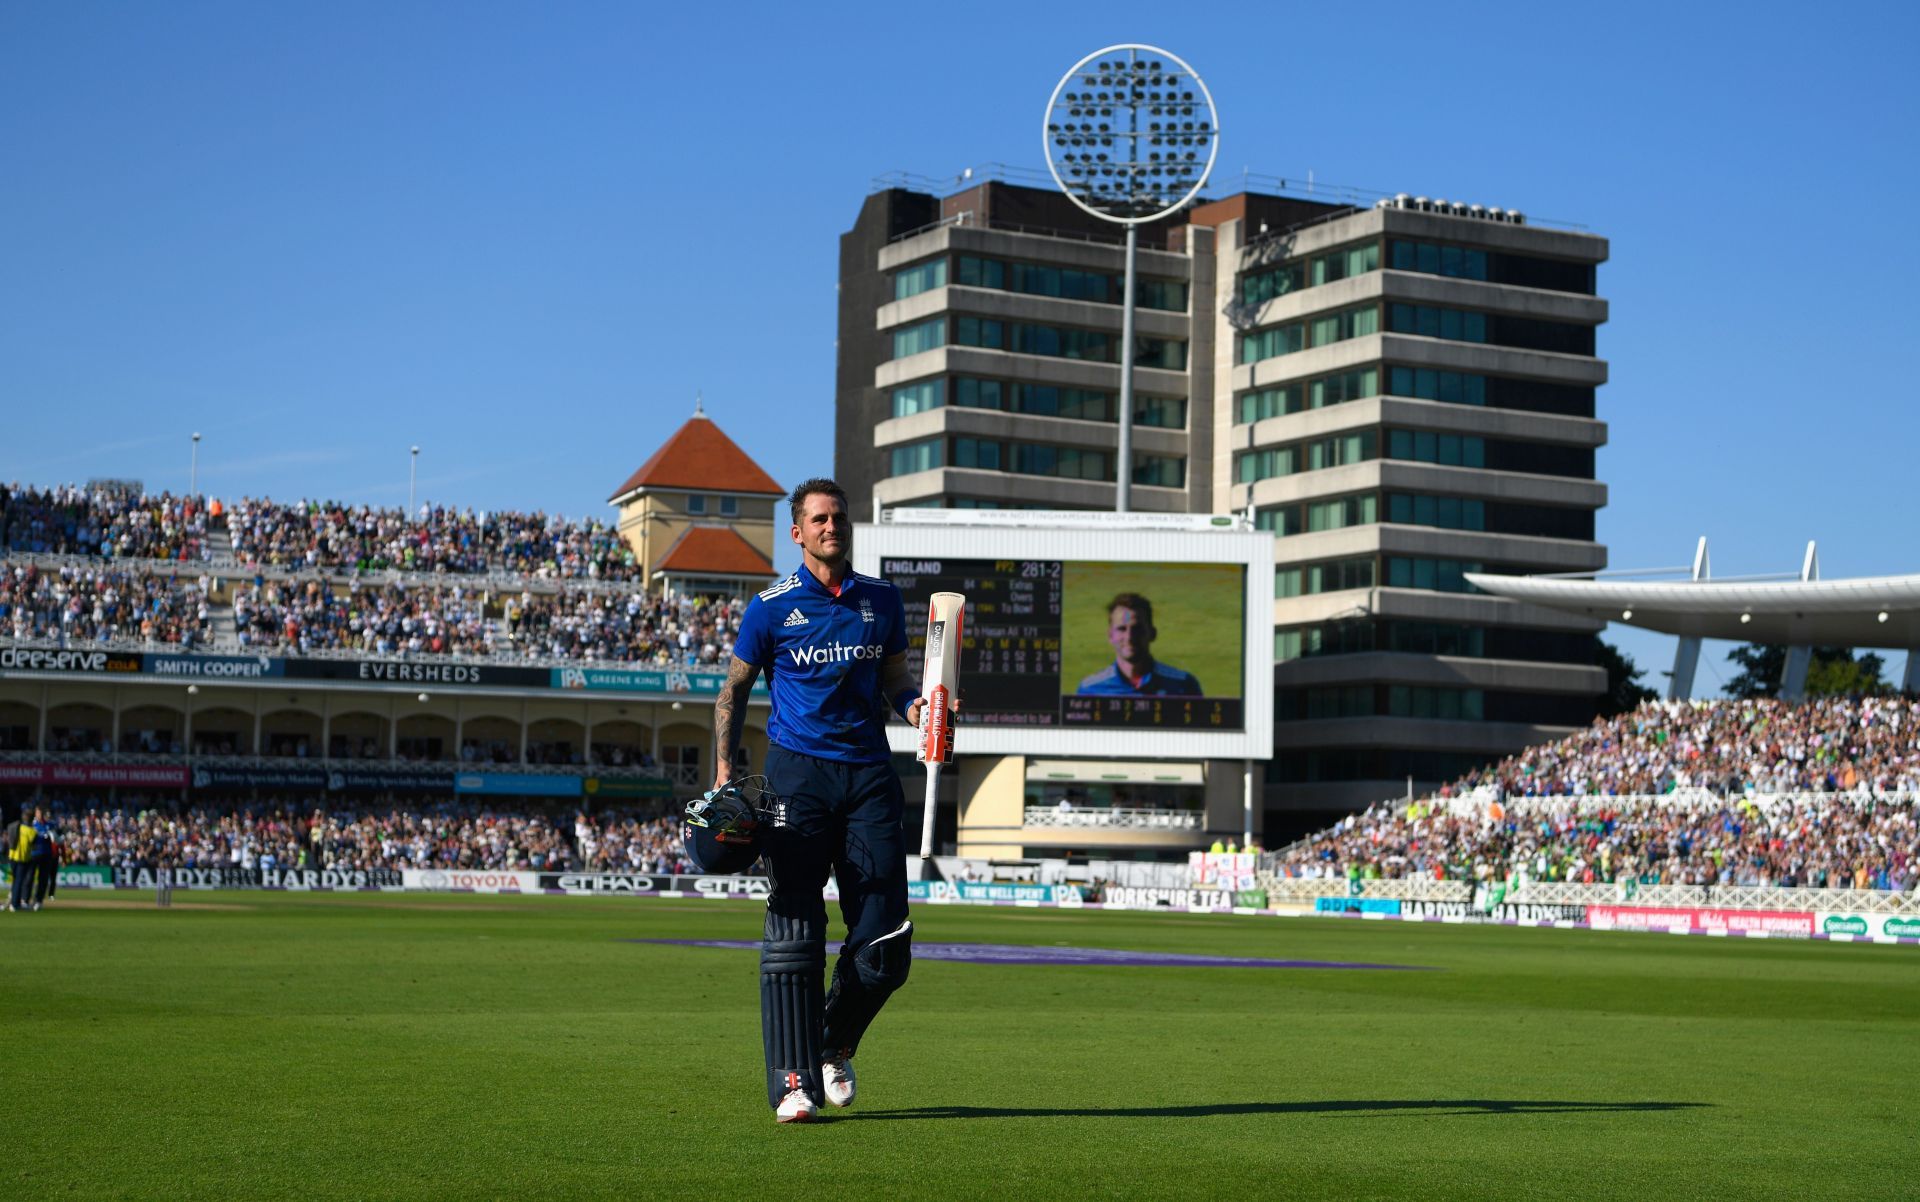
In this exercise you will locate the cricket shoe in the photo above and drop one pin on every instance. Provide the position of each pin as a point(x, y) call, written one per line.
point(837, 1075)
point(796, 1107)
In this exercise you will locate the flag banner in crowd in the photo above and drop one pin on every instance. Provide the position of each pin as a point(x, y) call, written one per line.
point(1223, 869)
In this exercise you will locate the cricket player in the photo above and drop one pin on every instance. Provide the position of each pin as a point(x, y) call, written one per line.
point(1134, 672)
point(833, 644)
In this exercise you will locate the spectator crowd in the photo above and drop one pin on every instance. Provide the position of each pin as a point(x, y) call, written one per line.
point(386, 834)
point(309, 615)
point(333, 535)
point(1723, 792)
point(108, 522)
point(89, 603)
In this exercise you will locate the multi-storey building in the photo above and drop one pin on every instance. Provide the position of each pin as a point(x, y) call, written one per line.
point(1401, 393)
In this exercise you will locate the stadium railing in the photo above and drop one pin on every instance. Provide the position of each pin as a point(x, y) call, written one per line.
point(238, 567)
point(1139, 819)
point(671, 773)
point(1304, 890)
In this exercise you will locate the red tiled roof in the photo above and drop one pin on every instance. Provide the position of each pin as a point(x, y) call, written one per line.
point(699, 456)
point(714, 550)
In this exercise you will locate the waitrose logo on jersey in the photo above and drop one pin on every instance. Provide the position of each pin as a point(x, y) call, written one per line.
point(833, 653)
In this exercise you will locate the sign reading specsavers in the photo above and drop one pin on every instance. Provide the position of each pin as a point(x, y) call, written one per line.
point(1862, 925)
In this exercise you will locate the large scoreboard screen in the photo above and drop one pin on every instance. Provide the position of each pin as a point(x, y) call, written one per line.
point(1083, 645)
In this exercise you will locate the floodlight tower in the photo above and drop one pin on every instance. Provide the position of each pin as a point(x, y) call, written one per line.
point(1130, 136)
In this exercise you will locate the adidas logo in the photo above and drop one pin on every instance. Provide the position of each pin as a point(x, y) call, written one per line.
point(796, 618)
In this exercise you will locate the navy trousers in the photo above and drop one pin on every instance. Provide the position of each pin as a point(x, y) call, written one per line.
point(842, 819)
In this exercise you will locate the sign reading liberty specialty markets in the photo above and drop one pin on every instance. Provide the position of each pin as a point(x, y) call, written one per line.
point(377, 780)
point(208, 777)
point(50, 659)
point(215, 667)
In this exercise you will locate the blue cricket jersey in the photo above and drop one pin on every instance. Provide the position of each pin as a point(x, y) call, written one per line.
point(822, 656)
point(1163, 680)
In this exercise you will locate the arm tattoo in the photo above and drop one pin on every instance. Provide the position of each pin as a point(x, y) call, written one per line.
point(728, 705)
point(894, 676)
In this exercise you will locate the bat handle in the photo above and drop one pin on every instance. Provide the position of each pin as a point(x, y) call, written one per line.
point(926, 819)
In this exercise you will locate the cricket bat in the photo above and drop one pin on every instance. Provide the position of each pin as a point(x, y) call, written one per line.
point(939, 676)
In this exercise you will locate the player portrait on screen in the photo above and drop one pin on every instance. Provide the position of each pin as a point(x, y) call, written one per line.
point(1134, 672)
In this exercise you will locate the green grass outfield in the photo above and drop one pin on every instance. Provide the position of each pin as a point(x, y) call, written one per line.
point(247, 1045)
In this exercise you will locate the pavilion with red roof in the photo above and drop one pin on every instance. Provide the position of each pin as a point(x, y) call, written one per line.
point(700, 513)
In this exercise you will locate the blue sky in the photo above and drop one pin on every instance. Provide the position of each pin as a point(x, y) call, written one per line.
point(524, 236)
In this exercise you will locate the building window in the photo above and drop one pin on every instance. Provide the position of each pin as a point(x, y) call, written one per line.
point(1160, 471)
point(1439, 575)
point(1339, 450)
point(909, 399)
point(916, 457)
point(921, 277)
point(1342, 512)
point(1273, 342)
point(976, 452)
point(696, 504)
point(1425, 446)
point(1278, 520)
point(1350, 261)
point(1454, 387)
point(1429, 321)
point(1270, 402)
point(1420, 701)
point(1459, 262)
point(1446, 513)
point(918, 339)
point(729, 507)
point(1337, 576)
point(1068, 283)
point(1466, 263)
point(1342, 387)
point(1098, 346)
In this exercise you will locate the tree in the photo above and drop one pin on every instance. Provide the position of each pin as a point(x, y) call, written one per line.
point(1834, 672)
point(1624, 690)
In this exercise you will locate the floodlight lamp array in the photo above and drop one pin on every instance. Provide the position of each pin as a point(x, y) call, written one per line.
point(1131, 133)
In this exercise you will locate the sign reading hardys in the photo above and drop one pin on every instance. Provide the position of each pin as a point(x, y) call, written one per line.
point(147, 877)
point(54, 659)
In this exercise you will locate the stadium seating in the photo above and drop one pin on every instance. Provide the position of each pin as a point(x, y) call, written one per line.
point(323, 577)
point(1720, 792)
point(291, 833)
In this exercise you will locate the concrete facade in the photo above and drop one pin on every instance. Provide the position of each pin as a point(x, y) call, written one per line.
point(1407, 653)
